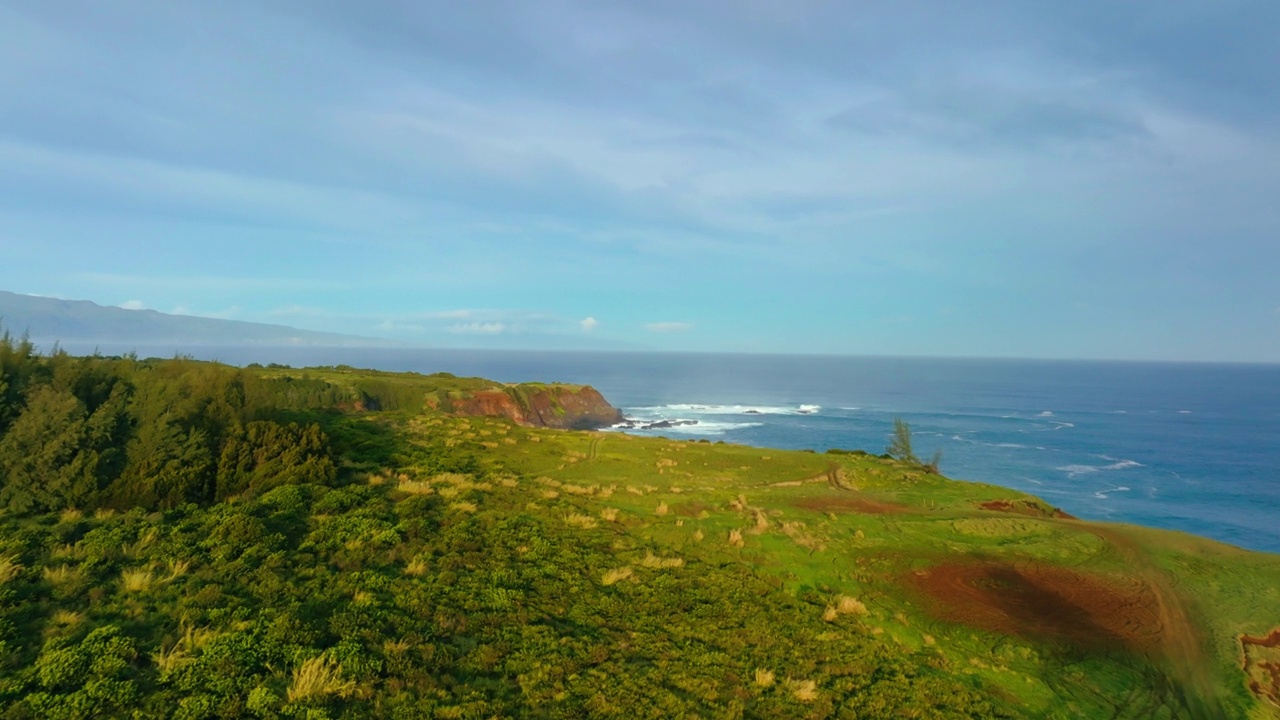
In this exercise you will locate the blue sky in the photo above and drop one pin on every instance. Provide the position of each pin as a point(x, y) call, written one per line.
point(1072, 179)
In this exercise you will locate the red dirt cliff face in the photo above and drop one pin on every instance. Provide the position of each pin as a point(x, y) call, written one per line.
point(553, 406)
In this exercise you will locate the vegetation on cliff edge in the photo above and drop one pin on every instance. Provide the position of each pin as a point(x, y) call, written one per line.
point(184, 539)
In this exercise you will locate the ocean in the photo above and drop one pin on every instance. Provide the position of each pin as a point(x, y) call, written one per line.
point(1193, 447)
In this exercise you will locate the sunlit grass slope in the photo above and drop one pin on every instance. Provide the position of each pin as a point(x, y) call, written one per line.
point(470, 568)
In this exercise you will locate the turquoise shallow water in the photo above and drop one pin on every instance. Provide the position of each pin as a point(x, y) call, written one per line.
point(1192, 447)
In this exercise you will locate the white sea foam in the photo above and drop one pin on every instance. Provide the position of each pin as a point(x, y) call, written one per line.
point(1104, 494)
point(1046, 413)
point(1076, 470)
point(1122, 465)
point(699, 409)
point(1184, 412)
point(695, 427)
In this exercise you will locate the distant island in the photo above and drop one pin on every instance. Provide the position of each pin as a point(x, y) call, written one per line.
point(189, 539)
point(82, 323)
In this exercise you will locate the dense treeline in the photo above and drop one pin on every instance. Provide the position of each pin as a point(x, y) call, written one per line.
point(387, 595)
point(121, 432)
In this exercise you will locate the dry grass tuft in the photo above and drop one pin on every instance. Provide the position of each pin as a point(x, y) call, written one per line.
point(800, 535)
point(830, 613)
point(62, 575)
point(735, 538)
point(634, 490)
point(579, 489)
point(415, 487)
point(70, 515)
point(168, 660)
point(194, 638)
point(178, 568)
point(66, 618)
point(653, 561)
point(318, 677)
point(463, 507)
point(617, 574)
point(103, 513)
point(578, 520)
point(417, 566)
point(803, 690)
point(764, 678)
point(698, 536)
point(662, 508)
point(762, 521)
point(136, 580)
point(850, 605)
point(609, 514)
point(68, 550)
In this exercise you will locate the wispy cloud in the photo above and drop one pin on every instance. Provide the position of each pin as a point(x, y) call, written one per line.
point(404, 167)
point(668, 327)
point(478, 328)
point(133, 305)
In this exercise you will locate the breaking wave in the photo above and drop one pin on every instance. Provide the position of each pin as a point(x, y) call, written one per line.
point(697, 409)
point(1077, 470)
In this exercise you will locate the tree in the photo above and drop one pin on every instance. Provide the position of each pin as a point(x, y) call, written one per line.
point(900, 448)
point(266, 454)
point(45, 463)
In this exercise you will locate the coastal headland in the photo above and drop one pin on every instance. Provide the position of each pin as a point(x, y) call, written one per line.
point(369, 543)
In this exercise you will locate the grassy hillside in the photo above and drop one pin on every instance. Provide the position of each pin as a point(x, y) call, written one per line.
point(465, 567)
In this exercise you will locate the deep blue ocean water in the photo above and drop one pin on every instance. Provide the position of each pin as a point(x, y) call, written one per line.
point(1193, 447)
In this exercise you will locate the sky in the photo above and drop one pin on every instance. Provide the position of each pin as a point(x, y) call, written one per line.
point(1076, 179)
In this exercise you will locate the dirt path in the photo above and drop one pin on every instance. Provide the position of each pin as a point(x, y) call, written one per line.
point(1181, 652)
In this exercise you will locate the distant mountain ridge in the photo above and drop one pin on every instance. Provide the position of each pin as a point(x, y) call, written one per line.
point(81, 322)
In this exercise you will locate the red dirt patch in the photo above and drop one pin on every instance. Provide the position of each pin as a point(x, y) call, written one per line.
point(1262, 665)
point(846, 503)
point(1044, 602)
point(1024, 507)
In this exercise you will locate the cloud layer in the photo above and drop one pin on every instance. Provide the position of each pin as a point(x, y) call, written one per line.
point(1075, 179)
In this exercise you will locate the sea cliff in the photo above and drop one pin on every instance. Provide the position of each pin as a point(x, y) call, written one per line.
point(577, 407)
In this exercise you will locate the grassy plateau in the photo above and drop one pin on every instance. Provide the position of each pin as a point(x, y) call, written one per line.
point(467, 567)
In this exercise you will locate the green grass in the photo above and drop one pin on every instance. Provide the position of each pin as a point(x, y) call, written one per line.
point(467, 567)
point(774, 499)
